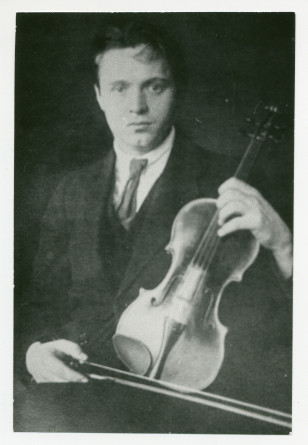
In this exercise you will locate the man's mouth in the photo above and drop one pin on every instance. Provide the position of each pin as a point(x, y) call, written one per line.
point(139, 124)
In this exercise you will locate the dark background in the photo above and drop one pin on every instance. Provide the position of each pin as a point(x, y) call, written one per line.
point(235, 61)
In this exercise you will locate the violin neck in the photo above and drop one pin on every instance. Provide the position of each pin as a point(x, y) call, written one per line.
point(210, 240)
point(256, 142)
point(248, 160)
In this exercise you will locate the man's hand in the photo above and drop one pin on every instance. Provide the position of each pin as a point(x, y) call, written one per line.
point(241, 207)
point(44, 364)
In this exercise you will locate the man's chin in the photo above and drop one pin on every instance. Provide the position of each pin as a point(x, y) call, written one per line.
point(139, 144)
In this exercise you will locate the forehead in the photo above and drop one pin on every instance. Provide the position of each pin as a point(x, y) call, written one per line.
point(139, 63)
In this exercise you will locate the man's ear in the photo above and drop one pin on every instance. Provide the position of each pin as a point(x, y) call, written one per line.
point(99, 97)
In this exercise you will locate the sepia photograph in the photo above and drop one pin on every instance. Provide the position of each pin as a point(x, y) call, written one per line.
point(153, 230)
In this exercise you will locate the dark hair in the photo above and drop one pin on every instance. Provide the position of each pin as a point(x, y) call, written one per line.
point(132, 34)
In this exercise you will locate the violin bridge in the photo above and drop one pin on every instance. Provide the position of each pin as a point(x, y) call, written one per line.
point(180, 311)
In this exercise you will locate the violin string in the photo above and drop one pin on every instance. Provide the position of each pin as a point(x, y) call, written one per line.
point(209, 238)
point(196, 260)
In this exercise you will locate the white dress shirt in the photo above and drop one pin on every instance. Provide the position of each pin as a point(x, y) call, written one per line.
point(157, 160)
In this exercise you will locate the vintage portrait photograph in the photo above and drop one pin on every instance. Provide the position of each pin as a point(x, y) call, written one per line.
point(153, 203)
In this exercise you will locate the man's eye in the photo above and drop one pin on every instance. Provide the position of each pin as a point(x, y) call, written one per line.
point(118, 88)
point(156, 88)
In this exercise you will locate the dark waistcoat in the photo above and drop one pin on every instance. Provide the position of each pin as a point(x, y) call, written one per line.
point(117, 243)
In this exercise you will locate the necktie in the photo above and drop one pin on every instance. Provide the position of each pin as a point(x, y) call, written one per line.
point(127, 208)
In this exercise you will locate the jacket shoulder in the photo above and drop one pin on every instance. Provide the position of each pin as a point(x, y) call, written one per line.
point(207, 165)
point(75, 188)
point(88, 174)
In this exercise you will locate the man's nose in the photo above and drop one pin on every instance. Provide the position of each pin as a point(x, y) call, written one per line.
point(138, 102)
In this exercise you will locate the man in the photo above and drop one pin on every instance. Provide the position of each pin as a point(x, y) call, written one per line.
point(106, 226)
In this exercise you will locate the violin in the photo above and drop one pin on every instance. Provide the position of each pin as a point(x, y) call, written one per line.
point(173, 332)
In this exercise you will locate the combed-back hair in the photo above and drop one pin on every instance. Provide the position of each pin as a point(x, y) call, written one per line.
point(134, 33)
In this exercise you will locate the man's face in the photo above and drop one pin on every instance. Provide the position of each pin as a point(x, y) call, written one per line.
point(137, 96)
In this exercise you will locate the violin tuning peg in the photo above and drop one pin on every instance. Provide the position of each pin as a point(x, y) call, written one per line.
point(271, 108)
point(274, 138)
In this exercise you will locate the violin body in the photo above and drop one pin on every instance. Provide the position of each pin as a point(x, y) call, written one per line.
point(173, 332)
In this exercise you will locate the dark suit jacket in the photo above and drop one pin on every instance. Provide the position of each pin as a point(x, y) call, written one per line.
point(72, 298)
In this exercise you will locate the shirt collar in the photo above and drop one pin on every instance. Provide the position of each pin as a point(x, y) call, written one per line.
point(123, 159)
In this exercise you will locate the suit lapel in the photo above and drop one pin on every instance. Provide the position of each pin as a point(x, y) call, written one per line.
point(176, 187)
point(98, 189)
point(96, 184)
